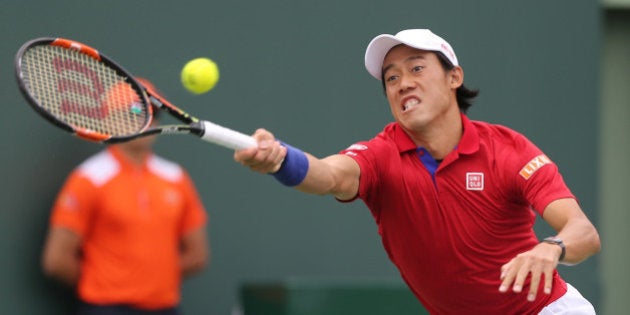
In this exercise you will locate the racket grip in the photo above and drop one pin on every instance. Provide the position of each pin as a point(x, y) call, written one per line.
point(226, 137)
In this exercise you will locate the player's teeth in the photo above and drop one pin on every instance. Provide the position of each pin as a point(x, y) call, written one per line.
point(410, 103)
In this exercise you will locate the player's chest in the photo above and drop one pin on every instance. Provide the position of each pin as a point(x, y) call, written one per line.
point(463, 188)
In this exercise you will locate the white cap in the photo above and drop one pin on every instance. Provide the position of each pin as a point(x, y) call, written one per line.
point(417, 38)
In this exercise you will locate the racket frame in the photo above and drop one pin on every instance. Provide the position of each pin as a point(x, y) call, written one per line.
point(206, 130)
point(81, 132)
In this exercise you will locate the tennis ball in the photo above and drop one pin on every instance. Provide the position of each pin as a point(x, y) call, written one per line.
point(200, 75)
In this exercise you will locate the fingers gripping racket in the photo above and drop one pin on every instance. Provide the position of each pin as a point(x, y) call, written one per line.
point(83, 92)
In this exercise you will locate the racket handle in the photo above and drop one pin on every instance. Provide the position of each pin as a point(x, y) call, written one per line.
point(226, 137)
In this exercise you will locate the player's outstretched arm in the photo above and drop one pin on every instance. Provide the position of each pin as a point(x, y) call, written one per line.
point(337, 175)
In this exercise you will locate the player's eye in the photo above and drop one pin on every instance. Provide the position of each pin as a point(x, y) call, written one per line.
point(417, 69)
point(391, 78)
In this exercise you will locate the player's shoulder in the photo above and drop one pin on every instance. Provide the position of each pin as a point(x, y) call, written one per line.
point(391, 135)
point(165, 168)
point(497, 132)
point(99, 168)
point(383, 141)
point(506, 144)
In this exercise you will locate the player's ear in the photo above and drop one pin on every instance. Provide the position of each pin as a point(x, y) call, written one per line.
point(456, 77)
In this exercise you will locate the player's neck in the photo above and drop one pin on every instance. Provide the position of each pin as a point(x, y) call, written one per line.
point(442, 137)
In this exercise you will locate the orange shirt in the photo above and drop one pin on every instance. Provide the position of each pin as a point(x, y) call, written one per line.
point(130, 220)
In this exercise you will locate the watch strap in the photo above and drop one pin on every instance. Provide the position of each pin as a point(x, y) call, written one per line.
point(556, 241)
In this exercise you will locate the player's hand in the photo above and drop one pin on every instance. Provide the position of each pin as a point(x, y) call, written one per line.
point(539, 262)
point(267, 157)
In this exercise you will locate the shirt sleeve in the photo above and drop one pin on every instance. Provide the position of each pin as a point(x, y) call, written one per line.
point(195, 215)
point(364, 154)
point(74, 204)
point(537, 177)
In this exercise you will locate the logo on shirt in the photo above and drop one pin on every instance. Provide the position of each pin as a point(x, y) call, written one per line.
point(357, 147)
point(69, 201)
point(474, 181)
point(172, 197)
point(535, 164)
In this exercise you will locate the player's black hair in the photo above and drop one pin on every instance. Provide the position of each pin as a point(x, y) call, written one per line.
point(465, 96)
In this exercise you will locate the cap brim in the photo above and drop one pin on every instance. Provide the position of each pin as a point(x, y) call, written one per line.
point(376, 52)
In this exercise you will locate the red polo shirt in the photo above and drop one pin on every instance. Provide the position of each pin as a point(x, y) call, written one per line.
point(450, 232)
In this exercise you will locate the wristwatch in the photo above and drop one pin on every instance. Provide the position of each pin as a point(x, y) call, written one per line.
point(556, 241)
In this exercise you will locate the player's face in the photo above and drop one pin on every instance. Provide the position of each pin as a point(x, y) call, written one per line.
point(421, 93)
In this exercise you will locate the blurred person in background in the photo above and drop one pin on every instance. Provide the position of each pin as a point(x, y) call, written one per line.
point(125, 229)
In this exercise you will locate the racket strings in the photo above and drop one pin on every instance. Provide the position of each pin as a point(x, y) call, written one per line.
point(83, 92)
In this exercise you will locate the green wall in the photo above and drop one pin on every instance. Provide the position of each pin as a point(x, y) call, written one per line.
point(294, 67)
point(614, 148)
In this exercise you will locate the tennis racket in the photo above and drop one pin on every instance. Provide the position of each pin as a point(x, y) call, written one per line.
point(82, 91)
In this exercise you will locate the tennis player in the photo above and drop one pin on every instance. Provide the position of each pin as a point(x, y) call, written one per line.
point(454, 199)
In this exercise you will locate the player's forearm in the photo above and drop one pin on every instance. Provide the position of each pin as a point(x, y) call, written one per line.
point(318, 179)
point(579, 236)
point(581, 241)
point(329, 176)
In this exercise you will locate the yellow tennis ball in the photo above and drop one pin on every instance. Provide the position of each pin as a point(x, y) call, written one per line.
point(200, 75)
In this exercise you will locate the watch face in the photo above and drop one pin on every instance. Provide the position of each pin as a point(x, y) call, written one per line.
point(553, 240)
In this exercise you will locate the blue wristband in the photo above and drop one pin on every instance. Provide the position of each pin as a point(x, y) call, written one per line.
point(294, 167)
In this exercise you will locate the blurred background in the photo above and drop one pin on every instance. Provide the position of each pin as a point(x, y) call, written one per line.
point(557, 71)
